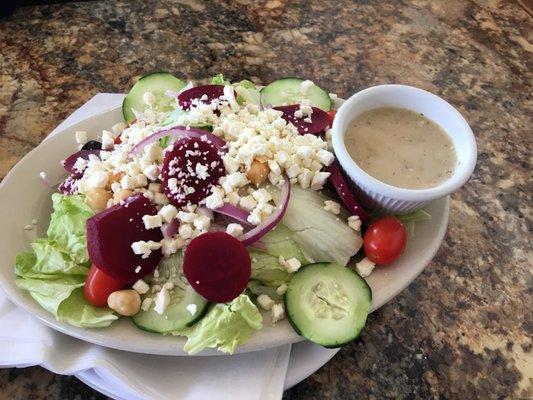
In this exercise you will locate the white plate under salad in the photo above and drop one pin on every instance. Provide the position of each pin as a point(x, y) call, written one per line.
point(26, 215)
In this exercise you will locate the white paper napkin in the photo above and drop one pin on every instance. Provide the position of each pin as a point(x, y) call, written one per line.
point(25, 342)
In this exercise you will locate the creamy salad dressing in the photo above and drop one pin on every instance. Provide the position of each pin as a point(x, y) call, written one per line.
point(401, 148)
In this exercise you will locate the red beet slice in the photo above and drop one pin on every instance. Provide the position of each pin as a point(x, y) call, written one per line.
point(68, 163)
point(111, 233)
point(320, 119)
point(217, 266)
point(340, 185)
point(212, 92)
point(70, 184)
point(182, 181)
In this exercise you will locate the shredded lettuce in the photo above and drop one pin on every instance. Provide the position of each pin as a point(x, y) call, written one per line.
point(415, 216)
point(265, 262)
point(247, 91)
point(218, 79)
point(54, 271)
point(225, 326)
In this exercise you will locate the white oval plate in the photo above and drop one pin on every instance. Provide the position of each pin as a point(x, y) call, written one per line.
point(23, 197)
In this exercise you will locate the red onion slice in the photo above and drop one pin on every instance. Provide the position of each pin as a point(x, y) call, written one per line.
point(268, 224)
point(234, 212)
point(344, 193)
point(179, 132)
point(170, 229)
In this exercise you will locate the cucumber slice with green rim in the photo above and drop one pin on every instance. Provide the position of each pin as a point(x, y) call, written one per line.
point(176, 315)
point(287, 91)
point(328, 304)
point(157, 83)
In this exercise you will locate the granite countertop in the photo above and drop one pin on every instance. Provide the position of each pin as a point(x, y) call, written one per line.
point(463, 329)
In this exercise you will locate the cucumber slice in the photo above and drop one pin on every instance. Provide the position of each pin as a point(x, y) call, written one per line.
point(157, 83)
point(176, 315)
point(328, 304)
point(286, 91)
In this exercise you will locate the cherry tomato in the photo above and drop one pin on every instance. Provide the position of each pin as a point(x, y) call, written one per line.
point(99, 285)
point(385, 240)
point(332, 114)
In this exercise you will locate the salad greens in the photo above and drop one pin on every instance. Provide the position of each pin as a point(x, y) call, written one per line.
point(225, 326)
point(54, 271)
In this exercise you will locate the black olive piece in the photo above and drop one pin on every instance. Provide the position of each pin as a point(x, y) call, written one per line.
point(92, 145)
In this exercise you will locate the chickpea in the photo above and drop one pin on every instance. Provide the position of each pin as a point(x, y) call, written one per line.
point(97, 199)
point(258, 172)
point(122, 194)
point(114, 177)
point(125, 302)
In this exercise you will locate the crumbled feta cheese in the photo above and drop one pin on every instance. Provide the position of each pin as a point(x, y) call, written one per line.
point(234, 230)
point(201, 171)
point(214, 201)
point(81, 137)
point(127, 182)
point(233, 198)
point(144, 249)
point(162, 300)
point(146, 303)
point(277, 312)
point(365, 267)
point(138, 269)
point(305, 87)
point(152, 221)
point(291, 265)
point(354, 222)
point(255, 217)
point(319, 180)
point(304, 178)
point(281, 289)
point(140, 180)
point(304, 152)
point(186, 217)
point(108, 141)
point(325, 157)
point(230, 164)
point(248, 203)
point(192, 308)
point(98, 179)
point(332, 206)
point(80, 164)
point(262, 196)
point(151, 172)
point(28, 227)
point(185, 231)
point(171, 246)
point(168, 286)
point(141, 287)
point(168, 213)
point(202, 223)
point(265, 302)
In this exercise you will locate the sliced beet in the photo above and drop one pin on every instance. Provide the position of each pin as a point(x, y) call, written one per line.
point(68, 163)
point(111, 233)
point(211, 92)
point(183, 181)
point(340, 185)
point(320, 119)
point(70, 184)
point(217, 266)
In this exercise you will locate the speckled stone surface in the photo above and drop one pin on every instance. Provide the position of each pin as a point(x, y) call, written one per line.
point(463, 329)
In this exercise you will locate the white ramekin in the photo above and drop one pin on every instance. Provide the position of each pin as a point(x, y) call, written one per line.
point(379, 196)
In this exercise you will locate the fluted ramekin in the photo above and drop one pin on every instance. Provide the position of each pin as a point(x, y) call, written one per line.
point(379, 196)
